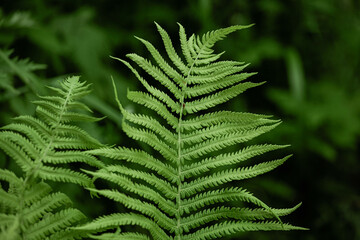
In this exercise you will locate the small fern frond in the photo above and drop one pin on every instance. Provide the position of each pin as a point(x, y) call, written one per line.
point(183, 193)
point(22, 68)
point(43, 147)
point(39, 144)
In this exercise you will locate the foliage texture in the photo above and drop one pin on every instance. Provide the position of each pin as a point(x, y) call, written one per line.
point(45, 148)
point(183, 190)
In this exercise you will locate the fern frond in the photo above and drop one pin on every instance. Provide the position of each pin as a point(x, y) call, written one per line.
point(150, 138)
point(63, 175)
point(43, 147)
point(22, 68)
point(34, 142)
point(180, 193)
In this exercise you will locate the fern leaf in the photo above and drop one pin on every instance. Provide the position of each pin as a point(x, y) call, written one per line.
point(210, 119)
point(230, 175)
point(228, 228)
point(155, 72)
point(182, 193)
point(139, 189)
point(171, 72)
point(151, 124)
point(202, 89)
point(146, 208)
point(32, 142)
point(151, 139)
point(40, 145)
point(228, 159)
point(153, 104)
point(137, 157)
point(153, 91)
point(218, 98)
point(221, 142)
point(174, 57)
point(222, 129)
point(44, 205)
point(54, 223)
point(23, 68)
point(8, 200)
point(163, 186)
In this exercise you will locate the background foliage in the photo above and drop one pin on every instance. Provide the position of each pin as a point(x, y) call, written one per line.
point(307, 51)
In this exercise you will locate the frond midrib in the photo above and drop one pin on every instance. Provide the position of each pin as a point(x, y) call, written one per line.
point(178, 233)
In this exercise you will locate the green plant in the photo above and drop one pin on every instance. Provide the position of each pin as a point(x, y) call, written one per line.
point(183, 190)
point(46, 147)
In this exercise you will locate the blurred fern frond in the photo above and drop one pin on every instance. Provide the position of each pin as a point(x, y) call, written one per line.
point(12, 68)
point(17, 19)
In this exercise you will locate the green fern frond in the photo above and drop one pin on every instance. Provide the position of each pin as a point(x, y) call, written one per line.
point(39, 144)
point(43, 147)
point(183, 193)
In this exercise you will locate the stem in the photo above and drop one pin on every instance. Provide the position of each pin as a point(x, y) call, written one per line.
point(178, 231)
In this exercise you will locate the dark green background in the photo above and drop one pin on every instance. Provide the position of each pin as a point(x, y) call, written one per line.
point(308, 52)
